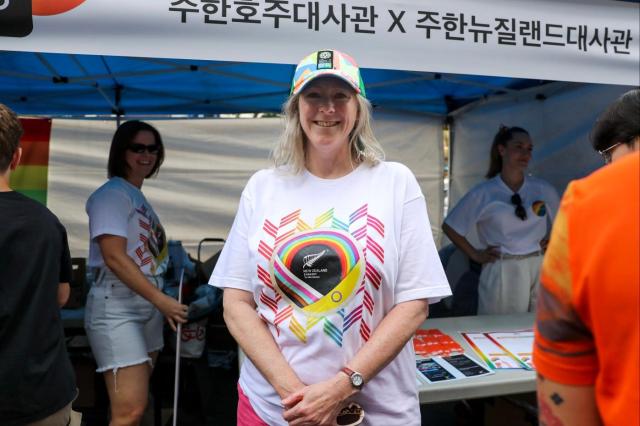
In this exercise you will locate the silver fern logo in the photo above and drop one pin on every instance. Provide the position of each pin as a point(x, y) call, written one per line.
point(310, 259)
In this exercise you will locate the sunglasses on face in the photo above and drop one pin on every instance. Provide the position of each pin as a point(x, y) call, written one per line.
point(520, 211)
point(139, 148)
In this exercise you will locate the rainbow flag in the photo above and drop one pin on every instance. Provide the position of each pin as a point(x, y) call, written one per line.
point(31, 176)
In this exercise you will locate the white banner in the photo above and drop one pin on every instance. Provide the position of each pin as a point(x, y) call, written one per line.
point(567, 40)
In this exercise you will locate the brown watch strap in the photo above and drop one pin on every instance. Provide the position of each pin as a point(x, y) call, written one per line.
point(356, 379)
point(347, 371)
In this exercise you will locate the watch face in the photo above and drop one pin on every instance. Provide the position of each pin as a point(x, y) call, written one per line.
point(357, 380)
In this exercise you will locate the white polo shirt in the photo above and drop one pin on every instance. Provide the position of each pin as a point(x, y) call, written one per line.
point(488, 207)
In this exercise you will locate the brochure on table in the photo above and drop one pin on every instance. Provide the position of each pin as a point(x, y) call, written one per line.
point(518, 344)
point(503, 350)
point(453, 367)
point(433, 342)
point(441, 358)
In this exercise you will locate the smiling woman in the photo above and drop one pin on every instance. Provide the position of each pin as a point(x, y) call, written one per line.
point(328, 111)
point(141, 157)
point(128, 253)
point(330, 266)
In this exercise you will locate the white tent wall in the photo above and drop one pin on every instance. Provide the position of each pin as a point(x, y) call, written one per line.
point(207, 164)
point(559, 126)
point(416, 141)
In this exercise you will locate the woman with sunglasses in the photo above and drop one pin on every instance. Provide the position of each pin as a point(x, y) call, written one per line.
point(512, 214)
point(128, 253)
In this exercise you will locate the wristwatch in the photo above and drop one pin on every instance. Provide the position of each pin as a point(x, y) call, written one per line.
point(356, 379)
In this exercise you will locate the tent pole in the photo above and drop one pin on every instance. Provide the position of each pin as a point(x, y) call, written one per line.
point(449, 125)
point(118, 109)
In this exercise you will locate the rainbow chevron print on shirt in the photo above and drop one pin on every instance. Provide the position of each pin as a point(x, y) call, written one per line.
point(322, 276)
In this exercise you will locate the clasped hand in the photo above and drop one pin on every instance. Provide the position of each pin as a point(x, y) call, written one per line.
point(317, 404)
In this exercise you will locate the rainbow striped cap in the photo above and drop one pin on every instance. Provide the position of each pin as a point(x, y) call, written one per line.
point(327, 63)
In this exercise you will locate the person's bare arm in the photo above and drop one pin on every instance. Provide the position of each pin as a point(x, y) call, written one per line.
point(114, 253)
point(566, 405)
point(255, 339)
point(64, 290)
point(488, 255)
point(319, 403)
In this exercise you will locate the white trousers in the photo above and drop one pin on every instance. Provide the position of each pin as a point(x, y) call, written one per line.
point(509, 286)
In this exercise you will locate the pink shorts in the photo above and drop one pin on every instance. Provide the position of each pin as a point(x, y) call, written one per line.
point(246, 414)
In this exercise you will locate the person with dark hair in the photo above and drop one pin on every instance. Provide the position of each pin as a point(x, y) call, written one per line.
point(37, 382)
point(512, 213)
point(129, 254)
point(330, 266)
point(587, 334)
point(617, 131)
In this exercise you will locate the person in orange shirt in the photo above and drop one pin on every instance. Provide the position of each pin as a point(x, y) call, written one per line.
point(586, 348)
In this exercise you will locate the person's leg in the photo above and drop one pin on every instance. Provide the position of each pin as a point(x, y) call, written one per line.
point(516, 286)
point(128, 390)
point(118, 342)
point(153, 409)
point(154, 358)
point(504, 287)
point(59, 418)
point(489, 285)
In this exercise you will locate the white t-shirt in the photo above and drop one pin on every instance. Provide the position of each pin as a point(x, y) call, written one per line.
point(120, 208)
point(488, 206)
point(326, 259)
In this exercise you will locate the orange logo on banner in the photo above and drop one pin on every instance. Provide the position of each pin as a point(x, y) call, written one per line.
point(49, 7)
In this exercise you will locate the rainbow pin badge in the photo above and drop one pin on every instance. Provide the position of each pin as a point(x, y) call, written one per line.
point(539, 208)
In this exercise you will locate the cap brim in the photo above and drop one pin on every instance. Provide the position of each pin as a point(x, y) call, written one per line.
point(325, 73)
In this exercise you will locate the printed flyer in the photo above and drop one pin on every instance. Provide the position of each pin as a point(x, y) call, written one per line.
point(454, 367)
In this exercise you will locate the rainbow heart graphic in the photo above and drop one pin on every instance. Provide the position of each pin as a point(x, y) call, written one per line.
point(317, 271)
point(539, 208)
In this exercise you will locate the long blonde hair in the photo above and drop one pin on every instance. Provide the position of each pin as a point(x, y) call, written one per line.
point(290, 150)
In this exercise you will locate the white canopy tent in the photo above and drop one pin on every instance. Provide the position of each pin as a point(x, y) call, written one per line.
point(208, 161)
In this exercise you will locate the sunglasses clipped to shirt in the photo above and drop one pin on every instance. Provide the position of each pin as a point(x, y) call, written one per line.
point(520, 211)
point(140, 148)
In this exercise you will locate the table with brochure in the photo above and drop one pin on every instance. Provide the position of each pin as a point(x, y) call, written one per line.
point(486, 381)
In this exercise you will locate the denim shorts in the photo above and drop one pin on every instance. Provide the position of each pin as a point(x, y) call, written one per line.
point(122, 326)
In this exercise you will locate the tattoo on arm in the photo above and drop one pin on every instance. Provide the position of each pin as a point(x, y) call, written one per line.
point(556, 398)
point(546, 417)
